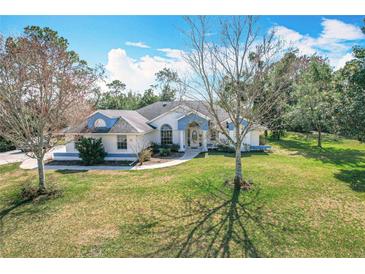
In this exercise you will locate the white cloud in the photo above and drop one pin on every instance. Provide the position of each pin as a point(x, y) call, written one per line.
point(172, 53)
point(139, 74)
point(137, 44)
point(332, 42)
point(288, 34)
point(338, 30)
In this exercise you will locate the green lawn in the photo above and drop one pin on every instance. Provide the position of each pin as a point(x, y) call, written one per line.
point(306, 202)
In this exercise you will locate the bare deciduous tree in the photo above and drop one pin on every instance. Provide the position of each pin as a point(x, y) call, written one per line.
point(43, 88)
point(229, 73)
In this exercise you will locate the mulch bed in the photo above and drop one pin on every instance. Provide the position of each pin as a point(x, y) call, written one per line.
point(156, 159)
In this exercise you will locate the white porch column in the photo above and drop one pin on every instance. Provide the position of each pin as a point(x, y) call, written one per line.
point(205, 148)
point(182, 140)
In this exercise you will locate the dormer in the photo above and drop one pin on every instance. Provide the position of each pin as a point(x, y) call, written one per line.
point(100, 122)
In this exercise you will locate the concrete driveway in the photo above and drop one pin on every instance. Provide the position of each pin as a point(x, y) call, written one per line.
point(12, 156)
point(27, 162)
point(30, 163)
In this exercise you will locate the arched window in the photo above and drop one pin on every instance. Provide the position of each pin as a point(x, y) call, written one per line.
point(99, 123)
point(166, 135)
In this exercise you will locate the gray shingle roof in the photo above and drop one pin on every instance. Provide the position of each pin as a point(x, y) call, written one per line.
point(158, 108)
point(131, 117)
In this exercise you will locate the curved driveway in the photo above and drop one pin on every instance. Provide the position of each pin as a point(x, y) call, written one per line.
point(12, 156)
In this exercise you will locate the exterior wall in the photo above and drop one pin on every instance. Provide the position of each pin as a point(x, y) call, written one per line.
point(252, 138)
point(255, 138)
point(170, 119)
point(134, 144)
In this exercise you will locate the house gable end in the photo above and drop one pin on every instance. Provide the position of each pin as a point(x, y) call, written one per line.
point(109, 122)
point(184, 122)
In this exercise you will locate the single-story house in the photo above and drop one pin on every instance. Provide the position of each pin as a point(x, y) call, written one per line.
point(124, 133)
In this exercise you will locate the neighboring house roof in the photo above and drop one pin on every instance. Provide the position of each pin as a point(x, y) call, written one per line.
point(159, 108)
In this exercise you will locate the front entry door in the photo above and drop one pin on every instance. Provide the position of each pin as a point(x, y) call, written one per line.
point(194, 138)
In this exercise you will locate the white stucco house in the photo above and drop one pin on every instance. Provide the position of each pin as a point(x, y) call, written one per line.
point(125, 132)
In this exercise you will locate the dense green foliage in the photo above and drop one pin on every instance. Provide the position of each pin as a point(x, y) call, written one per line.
point(91, 150)
point(313, 97)
point(5, 145)
point(350, 83)
point(283, 76)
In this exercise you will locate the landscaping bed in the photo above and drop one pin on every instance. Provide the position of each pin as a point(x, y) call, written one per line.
point(157, 159)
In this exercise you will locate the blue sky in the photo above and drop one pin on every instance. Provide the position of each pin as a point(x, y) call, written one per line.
point(133, 47)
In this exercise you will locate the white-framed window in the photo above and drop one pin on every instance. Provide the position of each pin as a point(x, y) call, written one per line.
point(122, 142)
point(99, 123)
point(166, 135)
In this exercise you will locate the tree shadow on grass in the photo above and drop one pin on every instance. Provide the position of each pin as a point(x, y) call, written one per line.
point(336, 156)
point(7, 211)
point(354, 178)
point(17, 207)
point(226, 222)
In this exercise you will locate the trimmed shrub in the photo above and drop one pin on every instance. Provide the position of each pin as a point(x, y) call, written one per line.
point(91, 150)
point(165, 151)
point(155, 148)
point(225, 148)
point(144, 155)
point(174, 148)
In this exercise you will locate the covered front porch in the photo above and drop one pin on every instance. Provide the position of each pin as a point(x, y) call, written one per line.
point(193, 132)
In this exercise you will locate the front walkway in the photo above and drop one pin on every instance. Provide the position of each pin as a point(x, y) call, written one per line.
point(188, 155)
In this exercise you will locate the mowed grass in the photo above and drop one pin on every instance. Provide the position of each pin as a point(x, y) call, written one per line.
point(306, 202)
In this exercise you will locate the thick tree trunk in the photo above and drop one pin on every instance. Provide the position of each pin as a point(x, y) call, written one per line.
point(238, 178)
point(42, 176)
point(319, 138)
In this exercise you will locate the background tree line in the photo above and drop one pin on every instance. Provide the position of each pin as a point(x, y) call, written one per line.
point(118, 97)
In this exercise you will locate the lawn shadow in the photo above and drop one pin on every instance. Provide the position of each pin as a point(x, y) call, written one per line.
point(17, 207)
point(8, 210)
point(336, 156)
point(354, 178)
point(226, 222)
